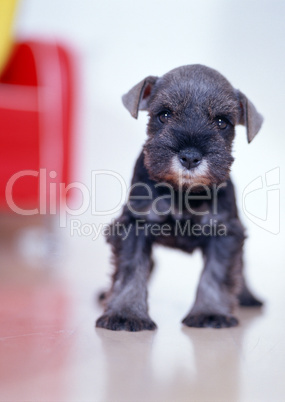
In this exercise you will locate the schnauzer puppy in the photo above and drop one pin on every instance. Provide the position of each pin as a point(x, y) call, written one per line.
point(182, 197)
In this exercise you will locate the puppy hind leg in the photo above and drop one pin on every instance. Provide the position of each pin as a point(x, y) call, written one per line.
point(246, 298)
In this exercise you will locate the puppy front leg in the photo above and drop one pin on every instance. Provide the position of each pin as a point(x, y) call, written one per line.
point(126, 306)
point(220, 282)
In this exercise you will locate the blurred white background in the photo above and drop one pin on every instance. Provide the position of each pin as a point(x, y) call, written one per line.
point(120, 42)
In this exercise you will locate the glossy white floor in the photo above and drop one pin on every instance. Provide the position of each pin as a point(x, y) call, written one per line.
point(49, 348)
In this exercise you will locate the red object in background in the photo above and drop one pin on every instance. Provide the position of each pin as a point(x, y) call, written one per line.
point(36, 92)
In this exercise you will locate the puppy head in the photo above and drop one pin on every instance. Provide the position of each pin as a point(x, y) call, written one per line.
point(193, 111)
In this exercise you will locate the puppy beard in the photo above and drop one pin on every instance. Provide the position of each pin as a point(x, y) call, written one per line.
point(178, 176)
point(196, 178)
point(164, 166)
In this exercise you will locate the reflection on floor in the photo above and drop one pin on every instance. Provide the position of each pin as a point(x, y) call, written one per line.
point(50, 350)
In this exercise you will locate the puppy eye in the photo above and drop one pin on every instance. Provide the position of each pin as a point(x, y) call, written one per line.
point(222, 123)
point(164, 116)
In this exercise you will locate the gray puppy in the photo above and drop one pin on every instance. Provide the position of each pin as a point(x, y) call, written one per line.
point(182, 197)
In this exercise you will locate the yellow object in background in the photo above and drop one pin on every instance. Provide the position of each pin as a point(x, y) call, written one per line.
point(7, 10)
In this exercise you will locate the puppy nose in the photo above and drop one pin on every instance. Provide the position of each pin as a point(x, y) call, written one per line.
point(190, 158)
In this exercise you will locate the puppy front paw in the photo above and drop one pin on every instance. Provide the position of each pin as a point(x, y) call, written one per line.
point(210, 320)
point(123, 322)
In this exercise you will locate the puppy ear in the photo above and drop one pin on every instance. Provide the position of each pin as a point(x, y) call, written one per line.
point(249, 117)
point(138, 97)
